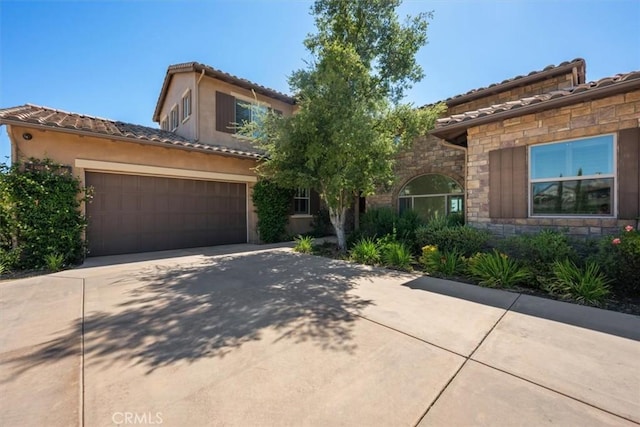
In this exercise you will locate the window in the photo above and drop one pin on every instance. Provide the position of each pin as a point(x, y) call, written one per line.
point(301, 202)
point(174, 118)
point(431, 195)
point(572, 177)
point(248, 112)
point(186, 105)
point(164, 123)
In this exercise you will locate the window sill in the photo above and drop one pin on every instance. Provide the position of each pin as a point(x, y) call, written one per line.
point(573, 216)
point(186, 119)
point(301, 216)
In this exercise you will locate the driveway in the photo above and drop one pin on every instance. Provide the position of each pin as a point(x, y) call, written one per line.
point(255, 335)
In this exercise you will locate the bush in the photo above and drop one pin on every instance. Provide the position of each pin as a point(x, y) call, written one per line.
point(378, 222)
point(321, 224)
point(588, 285)
point(272, 206)
point(54, 262)
point(304, 244)
point(40, 203)
point(462, 239)
point(619, 257)
point(497, 270)
point(445, 263)
point(538, 252)
point(365, 251)
point(397, 255)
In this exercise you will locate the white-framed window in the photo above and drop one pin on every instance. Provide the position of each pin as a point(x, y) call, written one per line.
point(174, 120)
point(301, 202)
point(186, 105)
point(164, 123)
point(573, 178)
point(432, 195)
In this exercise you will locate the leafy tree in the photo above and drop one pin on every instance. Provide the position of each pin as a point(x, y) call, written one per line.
point(349, 124)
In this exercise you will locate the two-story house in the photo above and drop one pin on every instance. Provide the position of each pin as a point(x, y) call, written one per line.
point(535, 151)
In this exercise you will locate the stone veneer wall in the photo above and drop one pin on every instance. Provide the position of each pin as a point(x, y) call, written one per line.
point(545, 86)
point(602, 116)
point(426, 155)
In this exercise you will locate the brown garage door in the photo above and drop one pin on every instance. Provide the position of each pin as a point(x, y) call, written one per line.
point(131, 213)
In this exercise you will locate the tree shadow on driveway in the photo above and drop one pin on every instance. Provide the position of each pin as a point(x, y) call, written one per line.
point(169, 313)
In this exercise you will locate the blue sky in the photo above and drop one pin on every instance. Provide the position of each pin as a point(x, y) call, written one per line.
point(109, 58)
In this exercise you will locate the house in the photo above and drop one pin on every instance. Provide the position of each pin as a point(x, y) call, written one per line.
point(186, 184)
point(545, 150)
point(536, 151)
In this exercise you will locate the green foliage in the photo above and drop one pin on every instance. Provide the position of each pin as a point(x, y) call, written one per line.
point(497, 270)
point(365, 251)
point(54, 262)
point(304, 244)
point(348, 127)
point(539, 251)
point(40, 214)
point(321, 223)
point(588, 285)
point(272, 204)
point(445, 263)
point(459, 238)
point(396, 255)
point(377, 222)
point(619, 257)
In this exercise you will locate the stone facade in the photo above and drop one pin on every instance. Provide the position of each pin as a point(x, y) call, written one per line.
point(597, 117)
point(427, 155)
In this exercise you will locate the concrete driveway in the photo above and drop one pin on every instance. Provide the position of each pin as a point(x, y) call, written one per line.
point(246, 335)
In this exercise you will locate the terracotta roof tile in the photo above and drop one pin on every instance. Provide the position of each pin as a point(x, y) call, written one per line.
point(58, 119)
point(538, 99)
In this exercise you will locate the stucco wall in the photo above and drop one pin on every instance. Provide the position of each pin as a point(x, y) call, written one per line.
point(180, 84)
point(602, 116)
point(66, 148)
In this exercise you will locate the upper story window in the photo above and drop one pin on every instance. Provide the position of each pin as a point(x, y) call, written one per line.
point(174, 121)
point(248, 112)
point(301, 202)
point(186, 105)
point(573, 178)
point(164, 123)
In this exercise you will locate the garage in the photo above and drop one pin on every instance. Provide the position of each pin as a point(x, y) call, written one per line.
point(138, 213)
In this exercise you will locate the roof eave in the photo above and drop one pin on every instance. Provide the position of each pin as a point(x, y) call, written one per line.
point(449, 132)
point(251, 156)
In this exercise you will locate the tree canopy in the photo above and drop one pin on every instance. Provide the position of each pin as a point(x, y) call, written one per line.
point(349, 122)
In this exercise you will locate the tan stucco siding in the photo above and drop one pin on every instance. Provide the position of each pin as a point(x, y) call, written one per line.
point(66, 148)
point(207, 109)
point(180, 84)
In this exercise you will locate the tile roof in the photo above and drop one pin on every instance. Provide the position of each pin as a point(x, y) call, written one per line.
point(545, 73)
point(602, 87)
point(216, 74)
point(30, 114)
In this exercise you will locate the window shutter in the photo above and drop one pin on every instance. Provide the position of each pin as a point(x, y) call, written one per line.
point(508, 183)
point(225, 112)
point(629, 173)
point(314, 202)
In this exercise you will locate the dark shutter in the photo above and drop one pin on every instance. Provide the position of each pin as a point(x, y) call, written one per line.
point(508, 183)
point(629, 173)
point(225, 112)
point(314, 202)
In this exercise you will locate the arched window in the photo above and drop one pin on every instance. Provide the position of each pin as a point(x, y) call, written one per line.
point(431, 195)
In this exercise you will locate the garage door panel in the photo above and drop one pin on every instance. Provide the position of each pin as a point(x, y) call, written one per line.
point(143, 213)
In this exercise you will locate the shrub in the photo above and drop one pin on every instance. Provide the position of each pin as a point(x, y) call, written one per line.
point(365, 251)
point(445, 263)
point(588, 285)
point(619, 257)
point(378, 222)
point(54, 262)
point(40, 203)
point(538, 252)
point(304, 244)
point(397, 255)
point(462, 239)
point(321, 223)
point(497, 270)
point(272, 206)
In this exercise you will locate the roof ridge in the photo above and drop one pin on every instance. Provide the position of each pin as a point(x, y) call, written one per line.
point(56, 110)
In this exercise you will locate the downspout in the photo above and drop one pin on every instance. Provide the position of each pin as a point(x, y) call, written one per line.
point(466, 169)
point(197, 105)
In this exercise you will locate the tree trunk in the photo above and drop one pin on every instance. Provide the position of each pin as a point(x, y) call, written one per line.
point(337, 217)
